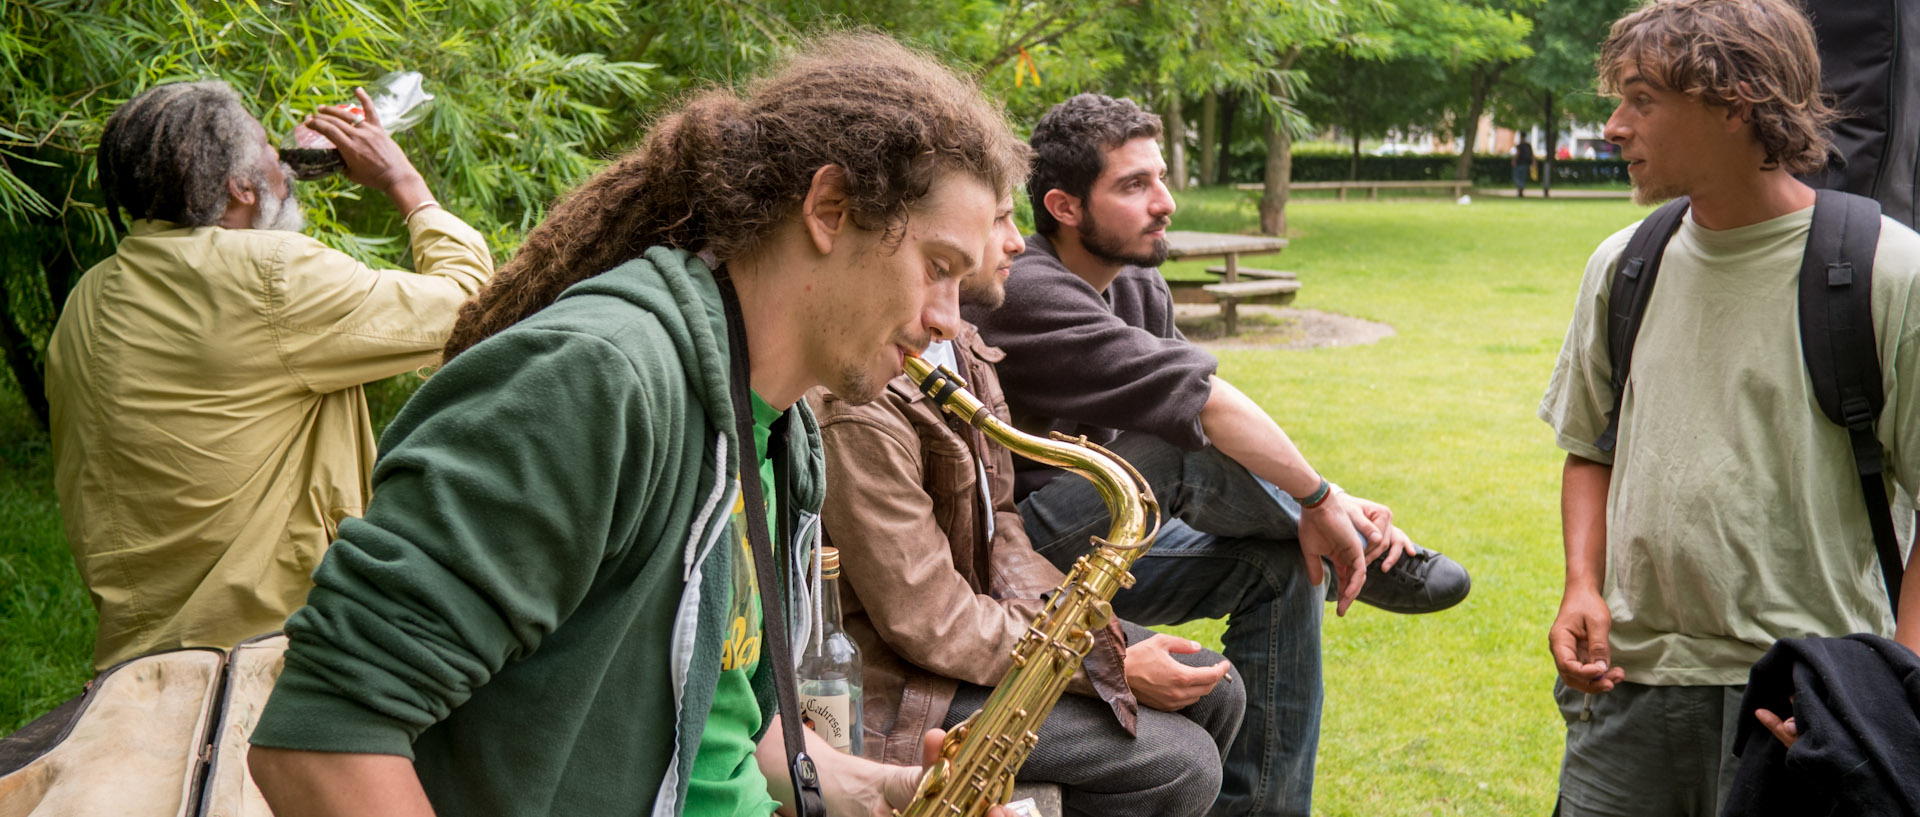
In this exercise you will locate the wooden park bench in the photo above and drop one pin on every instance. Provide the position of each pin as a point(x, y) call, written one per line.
point(1255, 272)
point(1275, 291)
point(1455, 187)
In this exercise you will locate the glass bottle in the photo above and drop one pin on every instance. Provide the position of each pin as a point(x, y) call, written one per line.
point(830, 667)
point(399, 102)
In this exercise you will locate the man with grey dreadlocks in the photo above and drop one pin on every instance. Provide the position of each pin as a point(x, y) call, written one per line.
point(209, 425)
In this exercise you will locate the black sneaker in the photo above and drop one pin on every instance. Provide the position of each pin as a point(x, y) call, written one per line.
point(1424, 582)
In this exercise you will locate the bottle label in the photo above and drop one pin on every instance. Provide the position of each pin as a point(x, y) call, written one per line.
point(828, 716)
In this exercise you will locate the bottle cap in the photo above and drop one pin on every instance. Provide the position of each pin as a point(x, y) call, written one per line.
point(829, 560)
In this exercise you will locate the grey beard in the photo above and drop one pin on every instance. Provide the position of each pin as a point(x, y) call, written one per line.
point(282, 214)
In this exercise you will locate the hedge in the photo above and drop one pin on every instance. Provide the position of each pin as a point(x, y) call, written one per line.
point(1487, 170)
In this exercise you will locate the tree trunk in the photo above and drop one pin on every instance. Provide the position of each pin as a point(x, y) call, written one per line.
point(1279, 177)
point(1279, 173)
point(1353, 166)
point(20, 358)
point(1209, 137)
point(1546, 159)
point(1229, 107)
point(1484, 78)
point(1176, 127)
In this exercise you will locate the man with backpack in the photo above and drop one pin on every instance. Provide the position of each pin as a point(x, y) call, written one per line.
point(1710, 505)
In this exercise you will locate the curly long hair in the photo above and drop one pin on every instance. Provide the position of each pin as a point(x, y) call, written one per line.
point(724, 169)
point(167, 153)
point(1759, 54)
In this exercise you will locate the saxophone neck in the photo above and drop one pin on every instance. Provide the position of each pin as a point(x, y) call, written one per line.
point(947, 389)
point(1128, 497)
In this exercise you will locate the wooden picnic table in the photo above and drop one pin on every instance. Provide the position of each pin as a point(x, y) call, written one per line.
point(1187, 244)
point(1183, 244)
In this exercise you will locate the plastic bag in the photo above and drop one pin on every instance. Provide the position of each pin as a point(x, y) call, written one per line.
point(399, 101)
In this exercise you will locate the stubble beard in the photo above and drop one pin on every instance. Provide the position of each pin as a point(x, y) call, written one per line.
point(1113, 250)
point(1649, 195)
point(1649, 192)
point(987, 296)
point(856, 386)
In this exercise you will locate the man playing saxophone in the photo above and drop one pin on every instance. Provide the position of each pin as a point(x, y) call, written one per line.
point(940, 583)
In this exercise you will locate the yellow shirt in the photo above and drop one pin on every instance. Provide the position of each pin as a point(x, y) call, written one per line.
point(209, 426)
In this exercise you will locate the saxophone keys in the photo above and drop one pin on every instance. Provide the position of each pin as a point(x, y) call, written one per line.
point(1079, 642)
point(1101, 614)
point(936, 779)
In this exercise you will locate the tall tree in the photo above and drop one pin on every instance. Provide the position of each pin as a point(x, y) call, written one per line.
point(1490, 38)
point(1368, 97)
point(1209, 135)
point(1556, 83)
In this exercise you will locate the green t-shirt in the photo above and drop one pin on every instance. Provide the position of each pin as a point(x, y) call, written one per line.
point(726, 781)
point(1734, 516)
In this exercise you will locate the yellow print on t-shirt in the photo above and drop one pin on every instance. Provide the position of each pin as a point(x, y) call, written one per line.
point(741, 649)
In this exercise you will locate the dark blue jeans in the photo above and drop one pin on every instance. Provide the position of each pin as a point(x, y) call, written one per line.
point(1230, 549)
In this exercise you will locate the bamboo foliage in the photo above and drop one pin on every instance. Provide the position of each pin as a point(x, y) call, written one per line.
point(526, 102)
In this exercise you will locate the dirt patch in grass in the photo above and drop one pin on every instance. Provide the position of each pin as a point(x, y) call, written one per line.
point(1277, 327)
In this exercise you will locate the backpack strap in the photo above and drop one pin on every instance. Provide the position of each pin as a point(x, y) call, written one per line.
point(1627, 301)
point(1843, 360)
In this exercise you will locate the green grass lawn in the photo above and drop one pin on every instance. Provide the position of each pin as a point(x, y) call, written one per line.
point(46, 621)
point(1440, 714)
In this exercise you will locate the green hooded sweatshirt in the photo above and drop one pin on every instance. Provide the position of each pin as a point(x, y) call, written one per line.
point(532, 609)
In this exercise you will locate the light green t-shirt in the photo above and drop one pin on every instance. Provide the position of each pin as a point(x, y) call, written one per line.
point(726, 781)
point(1734, 517)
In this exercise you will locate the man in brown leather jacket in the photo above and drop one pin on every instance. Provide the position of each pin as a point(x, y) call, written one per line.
point(939, 583)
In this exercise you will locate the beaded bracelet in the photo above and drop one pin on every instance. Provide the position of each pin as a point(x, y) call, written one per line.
point(1318, 497)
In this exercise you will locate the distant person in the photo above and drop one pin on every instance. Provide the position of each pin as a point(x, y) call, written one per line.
point(1727, 513)
point(210, 431)
point(1563, 152)
point(1522, 166)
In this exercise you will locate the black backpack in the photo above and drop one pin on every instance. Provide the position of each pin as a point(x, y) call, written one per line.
point(1836, 336)
point(1870, 63)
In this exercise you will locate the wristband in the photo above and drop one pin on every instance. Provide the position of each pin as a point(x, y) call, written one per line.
point(1318, 497)
point(408, 218)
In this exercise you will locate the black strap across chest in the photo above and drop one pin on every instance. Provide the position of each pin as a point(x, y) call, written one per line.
point(806, 779)
point(1837, 340)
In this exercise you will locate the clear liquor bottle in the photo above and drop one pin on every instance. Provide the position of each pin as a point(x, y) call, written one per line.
point(830, 667)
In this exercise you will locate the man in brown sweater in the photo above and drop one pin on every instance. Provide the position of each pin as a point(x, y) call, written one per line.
point(1091, 349)
point(940, 583)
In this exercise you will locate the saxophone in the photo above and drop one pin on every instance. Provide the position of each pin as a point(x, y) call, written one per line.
point(978, 760)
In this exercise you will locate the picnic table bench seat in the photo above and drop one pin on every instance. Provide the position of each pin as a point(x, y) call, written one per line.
point(1276, 292)
point(1255, 272)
